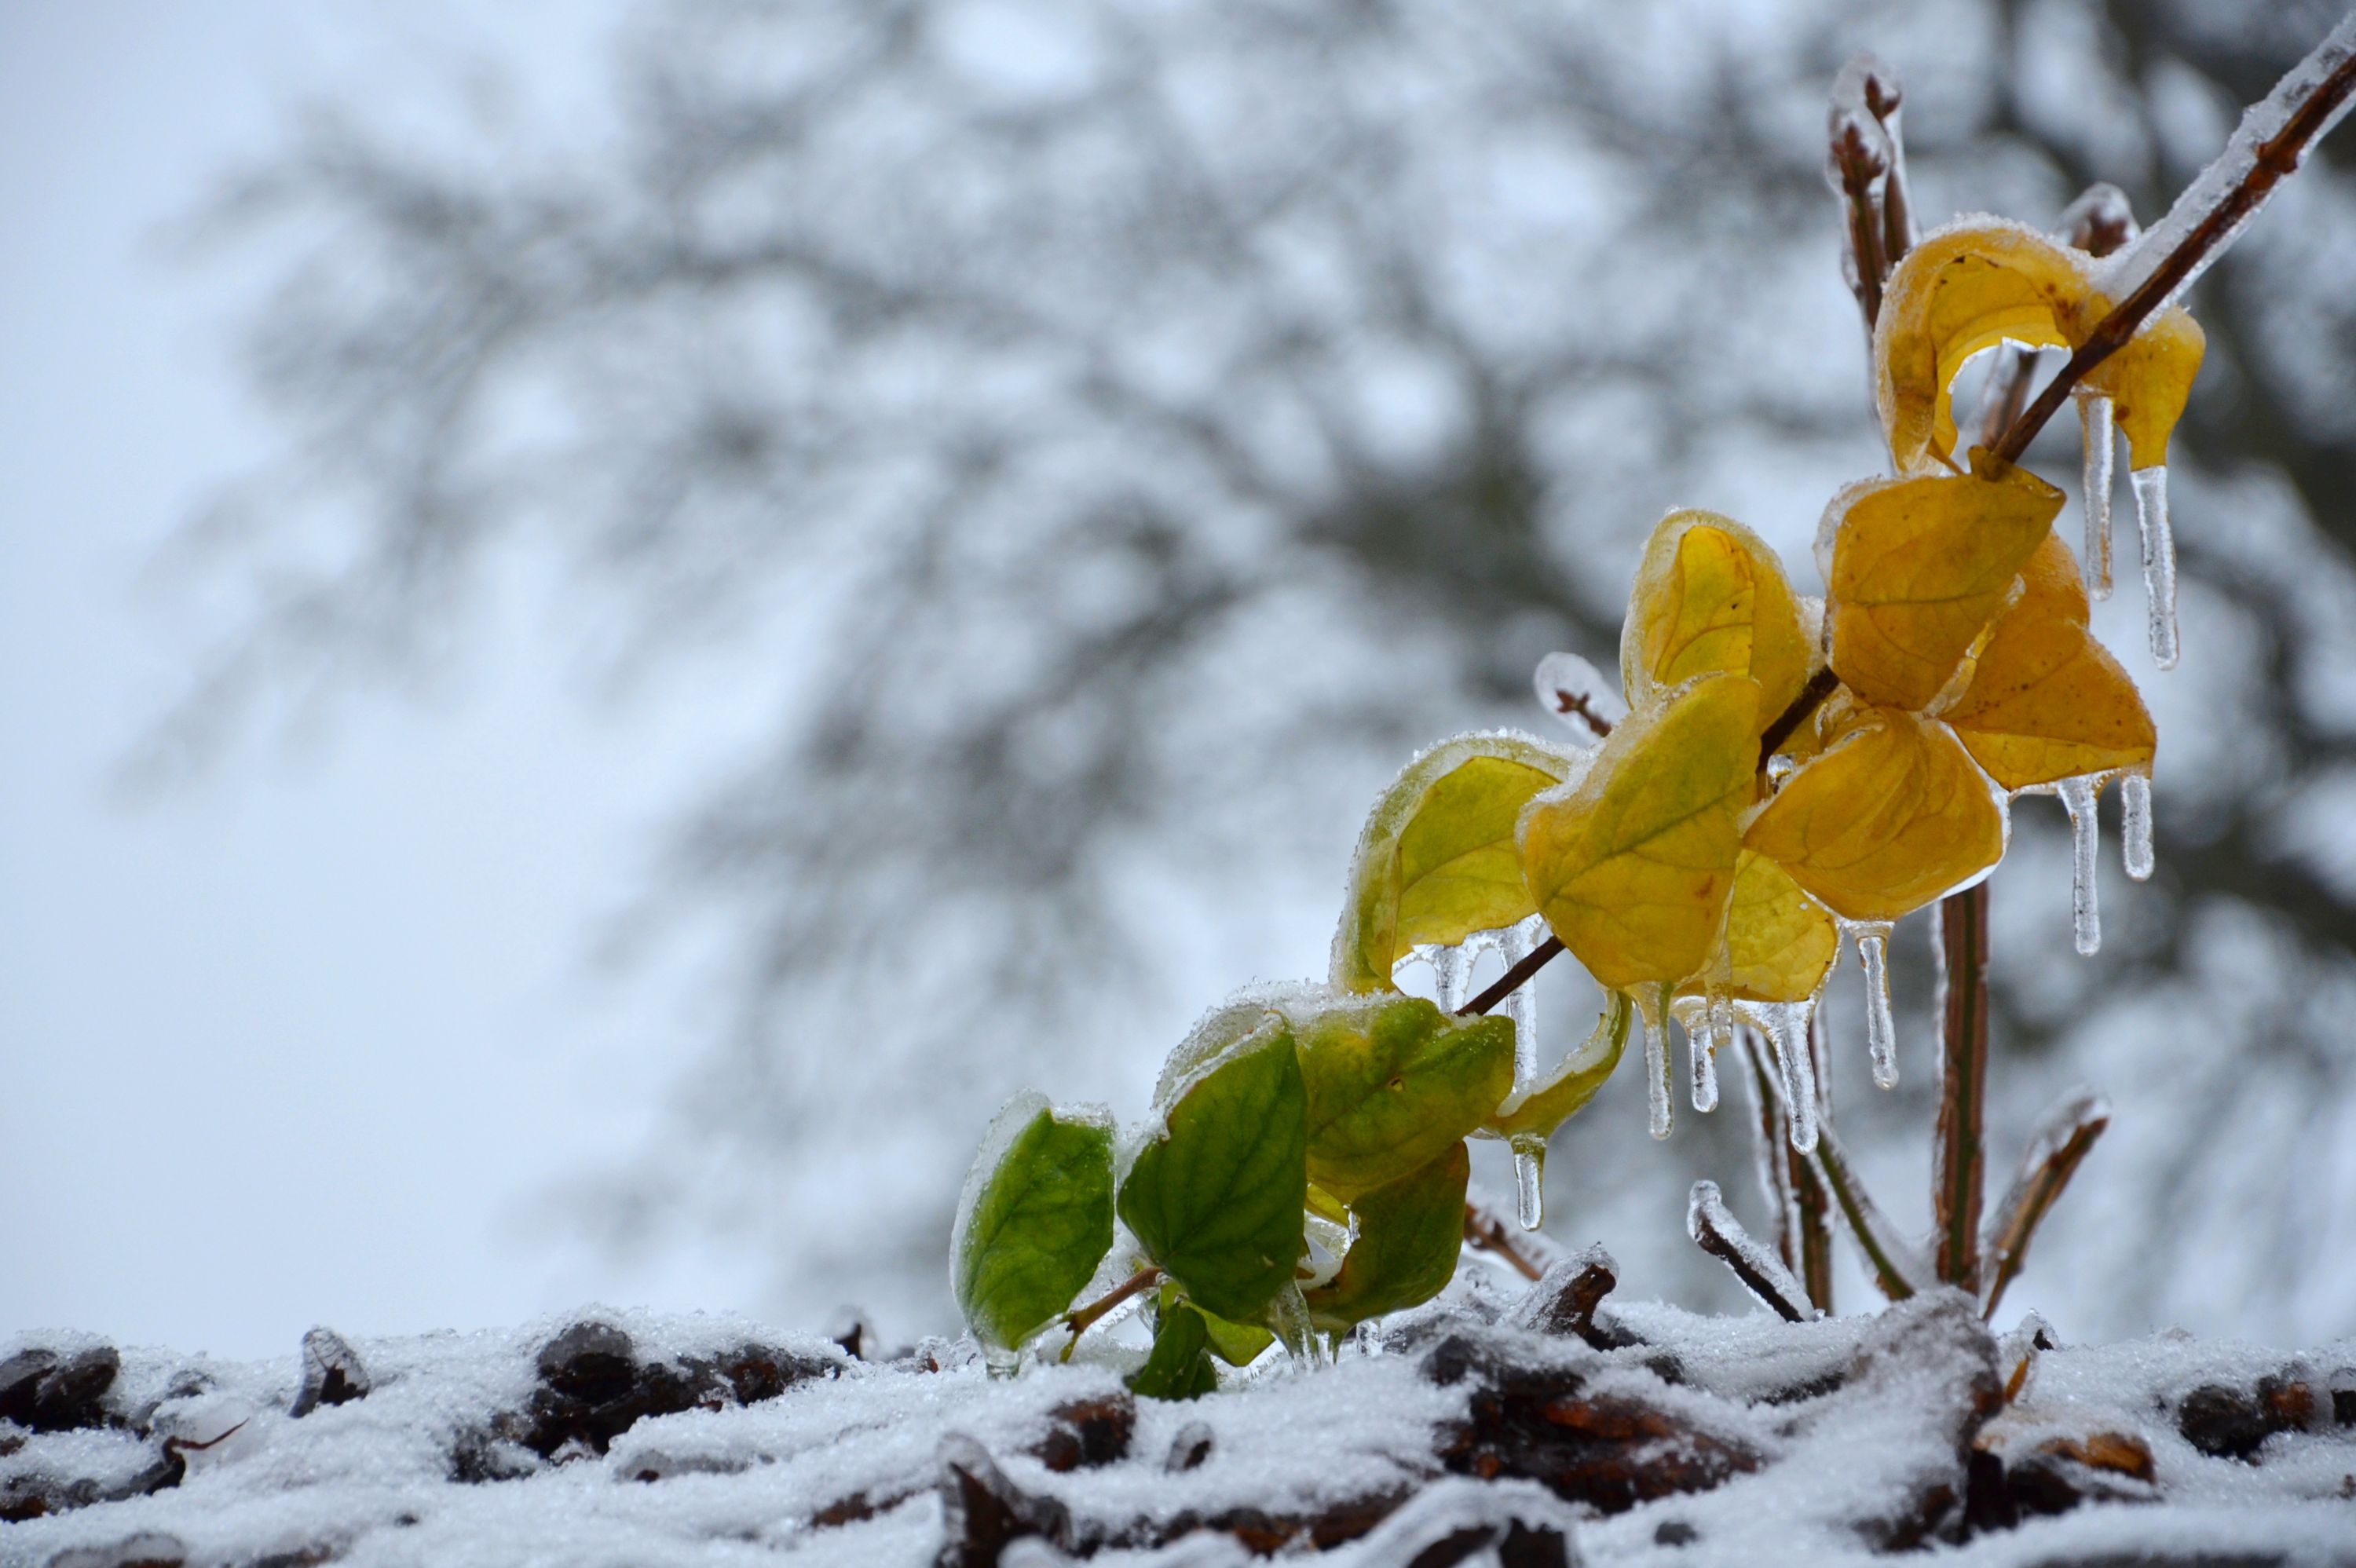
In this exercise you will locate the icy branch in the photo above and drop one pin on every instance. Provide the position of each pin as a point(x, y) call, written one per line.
point(1717, 1232)
point(2055, 1150)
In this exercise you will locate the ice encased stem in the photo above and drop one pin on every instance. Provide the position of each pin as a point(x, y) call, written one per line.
point(1529, 1179)
point(1452, 969)
point(1880, 1029)
point(2096, 428)
point(2158, 560)
point(1516, 943)
point(2079, 799)
point(2135, 824)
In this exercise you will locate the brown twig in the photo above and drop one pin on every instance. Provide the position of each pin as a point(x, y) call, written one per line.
point(1961, 1155)
point(1717, 1232)
point(1486, 1230)
point(1884, 1253)
point(1082, 1319)
point(2060, 1144)
point(2275, 157)
point(1513, 980)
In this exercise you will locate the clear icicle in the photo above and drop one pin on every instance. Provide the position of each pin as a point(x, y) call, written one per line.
point(2135, 828)
point(2096, 428)
point(2158, 560)
point(1529, 1180)
point(1880, 1029)
point(2078, 798)
point(1289, 1316)
point(1787, 1025)
point(1656, 1067)
point(1516, 943)
point(1001, 1362)
point(1452, 966)
point(1716, 1035)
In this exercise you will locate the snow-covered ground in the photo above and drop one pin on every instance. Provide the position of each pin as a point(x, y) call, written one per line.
point(1491, 1425)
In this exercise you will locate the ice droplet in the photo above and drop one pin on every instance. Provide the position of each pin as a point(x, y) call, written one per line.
point(1880, 1030)
point(1656, 1067)
point(2158, 560)
point(1787, 1025)
point(2135, 828)
point(1000, 1361)
point(1529, 1180)
point(1576, 692)
point(2078, 798)
point(2097, 431)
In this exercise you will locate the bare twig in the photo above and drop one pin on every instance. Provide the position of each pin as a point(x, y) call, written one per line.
point(2060, 1142)
point(1717, 1232)
point(1513, 980)
point(1895, 1269)
point(1804, 1231)
point(2311, 97)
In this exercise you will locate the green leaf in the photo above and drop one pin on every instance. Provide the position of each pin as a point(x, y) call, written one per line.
point(1437, 861)
point(1556, 1099)
point(1237, 1344)
point(1409, 1236)
point(1217, 1198)
point(1179, 1366)
point(1392, 1083)
point(1034, 1220)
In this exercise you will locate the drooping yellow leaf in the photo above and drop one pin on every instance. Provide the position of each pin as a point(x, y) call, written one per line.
point(1711, 597)
point(1919, 566)
point(1981, 284)
point(2148, 380)
point(1437, 861)
point(1955, 295)
point(1631, 866)
point(1780, 943)
point(2047, 701)
point(1891, 815)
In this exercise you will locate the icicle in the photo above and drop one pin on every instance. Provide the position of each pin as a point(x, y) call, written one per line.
point(2078, 798)
point(2097, 431)
point(1517, 942)
point(1452, 968)
point(1880, 1030)
point(1703, 1045)
point(1656, 1067)
point(1289, 1316)
point(1786, 1025)
point(2134, 828)
point(2158, 560)
point(1529, 1179)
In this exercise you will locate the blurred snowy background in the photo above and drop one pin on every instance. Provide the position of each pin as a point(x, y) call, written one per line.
point(618, 619)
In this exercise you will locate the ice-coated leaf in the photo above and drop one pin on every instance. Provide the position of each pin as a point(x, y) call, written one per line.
point(1890, 817)
point(1917, 568)
point(1437, 860)
point(1632, 864)
point(1215, 1199)
point(2047, 701)
point(1034, 1220)
point(1179, 1365)
point(1564, 1092)
point(1780, 943)
point(1985, 282)
point(1237, 1344)
point(1409, 1232)
point(1392, 1083)
point(1711, 597)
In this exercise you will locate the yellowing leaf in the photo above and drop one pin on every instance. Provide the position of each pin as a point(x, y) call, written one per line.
point(1711, 597)
point(2147, 381)
point(1891, 815)
point(1975, 287)
point(1955, 295)
point(1778, 941)
point(1565, 1093)
point(1631, 866)
point(1437, 861)
point(1919, 566)
point(2046, 700)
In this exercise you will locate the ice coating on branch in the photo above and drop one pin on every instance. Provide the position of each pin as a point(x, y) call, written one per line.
point(2135, 825)
point(1516, 943)
point(1706, 1211)
point(1452, 969)
point(2079, 797)
point(2135, 265)
point(1880, 1029)
point(2150, 487)
point(1529, 1179)
point(1587, 701)
point(2100, 441)
point(1656, 1067)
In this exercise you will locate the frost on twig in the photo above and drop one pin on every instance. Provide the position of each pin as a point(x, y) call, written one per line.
point(1489, 1229)
point(2055, 1150)
point(1717, 1232)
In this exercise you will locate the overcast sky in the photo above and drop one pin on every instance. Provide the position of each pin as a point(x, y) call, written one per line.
point(313, 1039)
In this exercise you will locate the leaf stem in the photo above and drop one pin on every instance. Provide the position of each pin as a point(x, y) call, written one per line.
point(1961, 1158)
point(1871, 1232)
point(1082, 1319)
point(1511, 980)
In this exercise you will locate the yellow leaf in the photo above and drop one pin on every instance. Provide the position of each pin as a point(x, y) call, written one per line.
point(1979, 285)
point(1437, 861)
point(2046, 700)
point(1919, 566)
point(1711, 597)
point(1780, 943)
point(1631, 866)
point(1891, 815)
